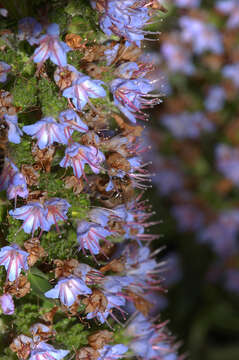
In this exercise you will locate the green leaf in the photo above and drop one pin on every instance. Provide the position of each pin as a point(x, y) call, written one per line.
point(39, 282)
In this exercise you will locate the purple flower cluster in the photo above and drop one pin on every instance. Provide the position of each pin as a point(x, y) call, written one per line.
point(227, 159)
point(187, 125)
point(13, 181)
point(126, 19)
point(4, 69)
point(202, 36)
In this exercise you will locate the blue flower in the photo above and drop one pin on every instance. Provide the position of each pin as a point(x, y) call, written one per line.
point(178, 57)
point(56, 210)
point(29, 29)
point(187, 125)
point(68, 289)
point(131, 96)
point(17, 187)
point(71, 121)
point(14, 259)
point(44, 351)
point(46, 131)
point(111, 352)
point(7, 175)
point(14, 132)
point(202, 36)
point(111, 54)
point(231, 8)
point(227, 160)
point(126, 19)
point(78, 155)
point(231, 71)
point(34, 216)
point(51, 47)
point(82, 89)
point(215, 98)
point(4, 69)
point(7, 304)
point(88, 236)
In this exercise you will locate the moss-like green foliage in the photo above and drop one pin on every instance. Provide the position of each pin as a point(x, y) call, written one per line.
point(9, 355)
point(22, 153)
point(52, 103)
point(52, 184)
point(74, 58)
point(84, 20)
point(79, 205)
point(25, 93)
point(60, 246)
point(19, 61)
point(13, 236)
point(71, 333)
point(25, 316)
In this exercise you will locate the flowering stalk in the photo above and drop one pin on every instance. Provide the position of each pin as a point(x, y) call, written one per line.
point(81, 249)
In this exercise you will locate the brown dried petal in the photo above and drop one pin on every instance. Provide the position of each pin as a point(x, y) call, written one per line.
point(116, 161)
point(65, 268)
point(77, 185)
point(93, 53)
point(35, 250)
point(19, 288)
point(30, 174)
point(116, 265)
point(140, 303)
point(95, 302)
point(43, 157)
point(87, 353)
point(49, 316)
point(99, 339)
point(74, 41)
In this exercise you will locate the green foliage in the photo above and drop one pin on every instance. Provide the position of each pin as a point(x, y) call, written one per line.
point(52, 103)
point(22, 153)
point(25, 93)
point(13, 236)
point(53, 184)
point(39, 282)
point(26, 314)
point(19, 61)
point(74, 58)
point(71, 333)
point(60, 246)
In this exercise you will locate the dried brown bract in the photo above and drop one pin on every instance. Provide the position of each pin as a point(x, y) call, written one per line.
point(77, 185)
point(116, 162)
point(35, 250)
point(94, 53)
point(49, 316)
point(43, 157)
point(140, 303)
point(95, 71)
point(87, 353)
point(31, 175)
point(75, 41)
point(90, 138)
point(116, 265)
point(65, 268)
point(42, 332)
point(6, 104)
point(64, 77)
point(19, 288)
point(96, 302)
point(22, 346)
point(99, 339)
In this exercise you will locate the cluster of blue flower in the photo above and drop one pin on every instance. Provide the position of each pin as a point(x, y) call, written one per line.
point(133, 271)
